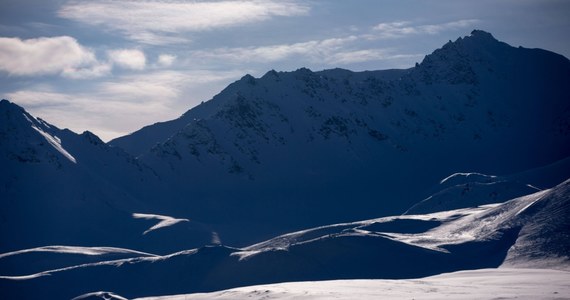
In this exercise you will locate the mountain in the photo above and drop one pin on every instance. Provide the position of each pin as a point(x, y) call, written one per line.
point(294, 150)
point(63, 188)
point(288, 148)
point(529, 231)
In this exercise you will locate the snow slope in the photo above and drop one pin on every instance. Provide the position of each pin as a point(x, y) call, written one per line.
point(514, 233)
point(62, 188)
point(535, 284)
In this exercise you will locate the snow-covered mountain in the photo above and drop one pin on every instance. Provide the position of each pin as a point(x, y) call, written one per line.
point(283, 152)
point(292, 145)
point(63, 188)
point(205, 202)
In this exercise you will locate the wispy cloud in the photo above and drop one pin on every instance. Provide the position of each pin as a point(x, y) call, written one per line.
point(358, 56)
point(405, 28)
point(88, 72)
point(331, 52)
point(315, 49)
point(165, 85)
point(160, 22)
point(48, 55)
point(356, 48)
point(165, 60)
point(117, 107)
point(133, 59)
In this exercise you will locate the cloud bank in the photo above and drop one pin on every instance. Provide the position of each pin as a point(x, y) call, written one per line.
point(48, 55)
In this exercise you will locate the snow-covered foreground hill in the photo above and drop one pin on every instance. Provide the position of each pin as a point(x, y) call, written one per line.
point(485, 284)
point(529, 232)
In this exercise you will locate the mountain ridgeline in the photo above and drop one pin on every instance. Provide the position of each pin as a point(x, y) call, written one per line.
point(292, 150)
point(302, 145)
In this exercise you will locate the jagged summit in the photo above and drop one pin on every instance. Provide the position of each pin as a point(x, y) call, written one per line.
point(7, 107)
point(482, 35)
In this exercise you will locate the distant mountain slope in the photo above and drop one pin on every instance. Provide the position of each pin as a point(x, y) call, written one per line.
point(59, 187)
point(290, 145)
point(391, 247)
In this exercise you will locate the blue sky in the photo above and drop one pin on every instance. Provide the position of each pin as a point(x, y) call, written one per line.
point(112, 67)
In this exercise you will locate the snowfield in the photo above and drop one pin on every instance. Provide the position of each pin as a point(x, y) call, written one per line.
point(525, 232)
point(503, 283)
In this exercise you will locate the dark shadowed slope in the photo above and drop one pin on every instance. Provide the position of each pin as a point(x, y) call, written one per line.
point(389, 247)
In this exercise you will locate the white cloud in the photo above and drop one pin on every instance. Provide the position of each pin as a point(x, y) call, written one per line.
point(316, 49)
point(157, 85)
point(402, 29)
point(114, 108)
point(159, 22)
point(358, 56)
point(133, 59)
point(166, 60)
point(94, 71)
point(48, 55)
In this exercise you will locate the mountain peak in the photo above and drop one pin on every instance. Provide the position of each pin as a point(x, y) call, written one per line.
point(6, 105)
point(13, 116)
point(92, 138)
point(482, 35)
point(454, 62)
point(248, 79)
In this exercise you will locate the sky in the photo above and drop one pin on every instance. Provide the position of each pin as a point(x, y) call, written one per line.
point(114, 66)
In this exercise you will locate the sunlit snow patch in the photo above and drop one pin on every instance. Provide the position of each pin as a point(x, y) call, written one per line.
point(56, 143)
point(165, 221)
point(467, 285)
point(465, 174)
point(76, 250)
point(99, 295)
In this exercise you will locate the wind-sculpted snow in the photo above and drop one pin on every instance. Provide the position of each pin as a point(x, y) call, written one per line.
point(462, 190)
point(412, 246)
point(163, 221)
point(30, 261)
point(544, 241)
point(99, 296)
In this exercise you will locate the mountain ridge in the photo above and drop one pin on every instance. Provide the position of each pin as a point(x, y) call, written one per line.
point(367, 135)
point(285, 151)
point(241, 189)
